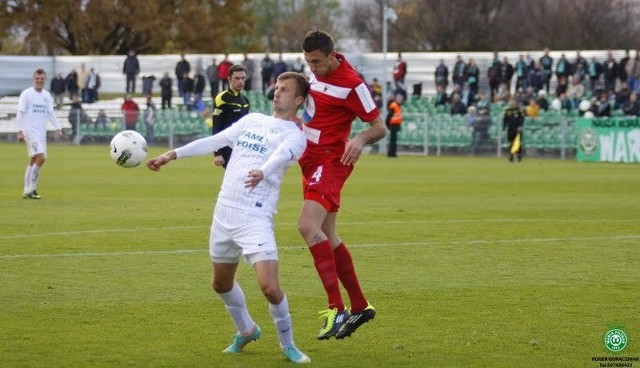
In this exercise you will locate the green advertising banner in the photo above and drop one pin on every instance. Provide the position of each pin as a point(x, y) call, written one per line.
point(608, 140)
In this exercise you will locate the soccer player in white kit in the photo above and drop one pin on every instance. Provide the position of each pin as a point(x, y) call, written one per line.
point(35, 106)
point(263, 148)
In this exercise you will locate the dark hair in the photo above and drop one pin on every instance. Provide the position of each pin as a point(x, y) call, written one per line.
point(237, 68)
point(302, 83)
point(318, 40)
point(39, 71)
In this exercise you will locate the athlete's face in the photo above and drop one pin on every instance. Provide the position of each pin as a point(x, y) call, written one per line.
point(38, 81)
point(319, 63)
point(236, 81)
point(284, 97)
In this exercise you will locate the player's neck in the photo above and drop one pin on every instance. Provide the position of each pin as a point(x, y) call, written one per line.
point(291, 116)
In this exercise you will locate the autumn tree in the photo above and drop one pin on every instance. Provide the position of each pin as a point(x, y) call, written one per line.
point(106, 27)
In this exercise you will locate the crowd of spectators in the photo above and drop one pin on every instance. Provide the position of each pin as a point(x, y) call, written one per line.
point(605, 85)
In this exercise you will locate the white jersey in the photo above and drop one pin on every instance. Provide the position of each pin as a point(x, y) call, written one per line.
point(33, 110)
point(259, 142)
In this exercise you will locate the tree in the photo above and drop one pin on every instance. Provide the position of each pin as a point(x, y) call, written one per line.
point(105, 27)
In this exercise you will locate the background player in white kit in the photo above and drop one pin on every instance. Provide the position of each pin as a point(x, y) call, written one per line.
point(34, 107)
point(263, 148)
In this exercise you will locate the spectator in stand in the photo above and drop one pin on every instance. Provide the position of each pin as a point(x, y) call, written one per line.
point(507, 74)
point(623, 94)
point(483, 103)
point(166, 90)
point(223, 71)
point(594, 71)
point(400, 73)
point(503, 94)
point(633, 73)
point(563, 69)
point(468, 96)
point(212, 77)
point(472, 76)
point(536, 77)
point(130, 111)
point(72, 84)
point(376, 92)
point(250, 65)
point(267, 67)
point(188, 87)
point(622, 67)
point(58, 88)
point(150, 121)
point(183, 68)
point(579, 67)
point(601, 107)
point(494, 73)
point(610, 72)
point(632, 106)
point(199, 85)
point(298, 66)
point(101, 120)
point(93, 83)
point(459, 72)
point(77, 118)
point(532, 110)
point(541, 100)
point(147, 84)
point(546, 62)
point(83, 76)
point(522, 73)
point(442, 75)
point(441, 98)
point(279, 67)
point(575, 92)
point(562, 86)
point(131, 69)
point(457, 106)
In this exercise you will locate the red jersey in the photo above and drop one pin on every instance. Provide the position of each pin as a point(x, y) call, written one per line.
point(333, 103)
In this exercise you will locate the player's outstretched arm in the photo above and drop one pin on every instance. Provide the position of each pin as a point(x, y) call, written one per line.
point(157, 162)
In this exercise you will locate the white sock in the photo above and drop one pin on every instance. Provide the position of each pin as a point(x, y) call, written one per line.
point(282, 320)
point(27, 180)
point(35, 171)
point(236, 304)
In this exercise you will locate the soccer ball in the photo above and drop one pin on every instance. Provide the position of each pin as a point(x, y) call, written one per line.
point(128, 148)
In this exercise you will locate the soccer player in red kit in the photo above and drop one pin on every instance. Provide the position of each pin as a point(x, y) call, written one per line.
point(336, 97)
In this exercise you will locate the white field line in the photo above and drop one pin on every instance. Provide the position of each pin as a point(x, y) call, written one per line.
point(371, 245)
point(347, 223)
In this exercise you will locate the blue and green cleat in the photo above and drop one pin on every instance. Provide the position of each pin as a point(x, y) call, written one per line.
point(239, 341)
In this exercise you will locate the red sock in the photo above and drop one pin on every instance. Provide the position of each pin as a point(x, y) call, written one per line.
point(326, 267)
point(347, 275)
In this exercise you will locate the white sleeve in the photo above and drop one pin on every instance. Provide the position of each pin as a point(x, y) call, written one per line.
point(288, 152)
point(207, 145)
point(22, 111)
point(51, 113)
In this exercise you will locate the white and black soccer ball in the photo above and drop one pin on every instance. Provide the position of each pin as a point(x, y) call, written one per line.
point(128, 148)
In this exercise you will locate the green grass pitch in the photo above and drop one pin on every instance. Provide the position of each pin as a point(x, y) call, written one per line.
point(468, 261)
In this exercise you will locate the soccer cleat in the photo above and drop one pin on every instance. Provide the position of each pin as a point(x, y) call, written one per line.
point(32, 195)
point(295, 355)
point(239, 341)
point(333, 320)
point(356, 320)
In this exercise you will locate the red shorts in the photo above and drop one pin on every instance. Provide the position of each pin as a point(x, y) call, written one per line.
point(323, 179)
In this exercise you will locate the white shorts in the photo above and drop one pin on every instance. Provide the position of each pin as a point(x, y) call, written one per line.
point(36, 143)
point(235, 233)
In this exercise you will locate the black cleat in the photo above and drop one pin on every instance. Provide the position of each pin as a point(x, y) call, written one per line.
point(32, 195)
point(356, 320)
